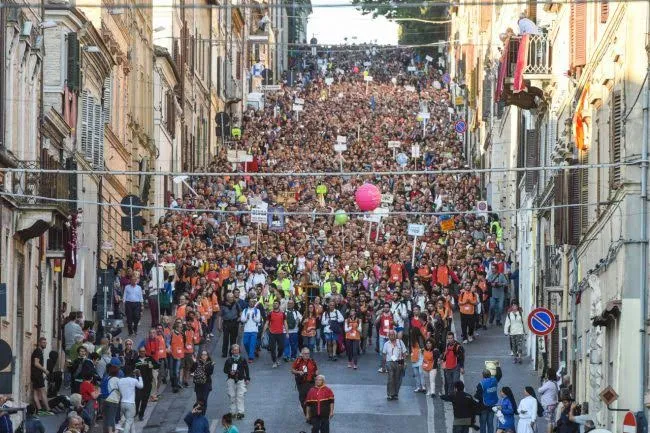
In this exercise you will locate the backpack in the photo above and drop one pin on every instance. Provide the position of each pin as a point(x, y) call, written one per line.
point(103, 387)
point(291, 319)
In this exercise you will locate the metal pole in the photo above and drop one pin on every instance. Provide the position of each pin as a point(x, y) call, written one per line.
point(415, 240)
point(369, 230)
point(157, 279)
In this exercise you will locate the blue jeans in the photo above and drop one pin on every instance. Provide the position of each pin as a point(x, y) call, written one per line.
point(249, 341)
point(419, 377)
point(487, 421)
point(382, 340)
point(496, 309)
point(309, 342)
point(175, 371)
point(291, 345)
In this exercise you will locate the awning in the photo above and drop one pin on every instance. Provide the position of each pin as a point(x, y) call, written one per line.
point(611, 312)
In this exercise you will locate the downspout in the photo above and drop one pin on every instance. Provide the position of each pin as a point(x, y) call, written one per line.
point(574, 319)
point(644, 222)
point(210, 119)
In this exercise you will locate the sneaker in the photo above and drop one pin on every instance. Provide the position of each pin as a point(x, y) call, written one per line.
point(464, 341)
point(389, 397)
point(349, 365)
point(416, 390)
point(471, 339)
point(433, 396)
point(334, 358)
point(484, 328)
point(381, 370)
point(354, 366)
point(250, 361)
point(240, 416)
point(275, 365)
point(512, 353)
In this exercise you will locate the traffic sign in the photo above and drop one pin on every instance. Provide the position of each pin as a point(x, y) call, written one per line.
point(541, 321)
point(416, 229)
point(460, 126)
point(131, 204)
point(446, 78)
point(629, 423)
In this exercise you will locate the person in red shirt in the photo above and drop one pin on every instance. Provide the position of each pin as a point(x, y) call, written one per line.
point(276, 324)
point(385, 323)
point(305, 371)
point(320, 406)
point(396, 270)
point(88, 391)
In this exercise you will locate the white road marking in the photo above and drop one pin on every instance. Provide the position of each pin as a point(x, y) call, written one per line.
point(431, 411)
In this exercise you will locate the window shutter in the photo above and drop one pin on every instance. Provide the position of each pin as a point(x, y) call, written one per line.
point(532, 158)
point(577, 32)
point(615, 137)
point(86, 123)
point(487, 98)
point(73, 73)
point(584, 194)
point(175, 54)
point(98, 137)
point(531, 10)
point(219, 67)
point(486, 16)
point(604, 11)
point(107, 99)
point(558, 213)
point(574, 219)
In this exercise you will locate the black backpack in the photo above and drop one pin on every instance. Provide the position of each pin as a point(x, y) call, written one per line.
point(291, 320)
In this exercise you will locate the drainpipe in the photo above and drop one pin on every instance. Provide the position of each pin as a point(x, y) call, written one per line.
point(574, 318)
point(644, 222)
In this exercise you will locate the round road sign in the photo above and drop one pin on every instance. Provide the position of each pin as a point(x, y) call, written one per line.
point(446, 78)
point(629, 423)
point(541, 321)
point(460, 126)
point(5, 354)
point(131, 204)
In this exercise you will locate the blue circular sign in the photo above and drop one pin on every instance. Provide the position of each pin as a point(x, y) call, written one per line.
point(446, 79)
point(541, 321)
point(460, 126)
point(402, 159)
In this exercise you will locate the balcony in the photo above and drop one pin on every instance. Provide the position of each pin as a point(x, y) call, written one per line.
point(233, 90)
point(30, 186)
point(525, 71)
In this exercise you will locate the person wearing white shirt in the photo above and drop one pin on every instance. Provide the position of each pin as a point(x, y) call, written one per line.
point(394, 353)
point(251, 318)
point(127, 386)
point(527, 26)
point(528, 409)
point(257, 277)
point(133, 304)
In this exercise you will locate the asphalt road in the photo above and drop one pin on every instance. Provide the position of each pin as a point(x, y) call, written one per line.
point(361, 404)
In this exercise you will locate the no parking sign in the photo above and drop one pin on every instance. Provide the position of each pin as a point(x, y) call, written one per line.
point(541, 321)
point(460, 126)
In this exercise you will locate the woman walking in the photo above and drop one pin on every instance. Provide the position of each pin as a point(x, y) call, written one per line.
point(203, 369)
point(514, 328)
point(529, 409)
point(417, 359)
point(508, 408)
point(352, 338)
point(430, 357)
point(309, 324)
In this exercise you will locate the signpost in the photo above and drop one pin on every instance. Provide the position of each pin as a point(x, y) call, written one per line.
point(629, 423)
point(541, 321)
point(367, 79)
point(415, 230)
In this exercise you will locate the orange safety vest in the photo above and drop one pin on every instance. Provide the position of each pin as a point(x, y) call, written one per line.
point(215, 303)
point(162, 348)
point(197, 331)
point(353, 333)
point(189, 341)
point(177, 343)
point(386, 323)
point(466, 301)
point(427, 360)
point(415, 353)
point(207, 305)
point(180, 311)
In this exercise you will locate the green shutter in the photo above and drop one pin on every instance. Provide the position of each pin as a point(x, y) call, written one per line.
point(73, 76)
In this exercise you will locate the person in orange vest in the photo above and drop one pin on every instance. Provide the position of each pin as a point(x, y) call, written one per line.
point(181, 311)
point(156, 350)
point(176, 353)
point(188, 358)
point(467, 300)
point(352, 338)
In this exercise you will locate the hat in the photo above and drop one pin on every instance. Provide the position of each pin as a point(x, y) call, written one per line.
point(115, 362)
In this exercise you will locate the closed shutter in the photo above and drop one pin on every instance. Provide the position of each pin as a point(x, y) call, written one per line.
point(73, 72)
point(486, 15)
point(577, 33)
point(219, 66)
point(584, 194)
point(184, 40)
point(176, 54)
point(559, 219)
point(574, 210)
point(615, 137)
point(86, 124)
point(551, 138)
point(531, 10)
point(532, 158)
point(71, 167)
point(192, 52)
point(98, 137)
point(604, 11)
point(487, 98)
point(107, 99)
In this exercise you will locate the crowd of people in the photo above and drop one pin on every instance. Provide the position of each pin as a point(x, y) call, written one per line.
point(309, 280)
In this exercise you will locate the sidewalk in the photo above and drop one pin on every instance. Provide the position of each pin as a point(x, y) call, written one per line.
point(52, 423)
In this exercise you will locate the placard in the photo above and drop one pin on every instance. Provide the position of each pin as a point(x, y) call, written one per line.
point(297, 107)
point(366, 63)
point(259, 214)
point(416, 229)
point(387, 198)
point(447, 225)
point(270, 88)
point(367, 78)
point(299, 101)
point(411, 69)
point(429, 58)
point(394, 144)
point(243, 241)
point(329, 81)
point(425, 115)
point(371, 217)
point(341, 139)
point(340, 147)
point(409, 88)
point(415, 151)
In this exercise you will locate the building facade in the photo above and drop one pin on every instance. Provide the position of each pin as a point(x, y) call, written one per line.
point(568, 94)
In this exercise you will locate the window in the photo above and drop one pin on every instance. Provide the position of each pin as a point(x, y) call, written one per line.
point(577, 35)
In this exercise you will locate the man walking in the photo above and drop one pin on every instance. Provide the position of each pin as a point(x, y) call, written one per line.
point(487, 395)
point(230, 314)
point(498, 283)
point(453, 362)
point(276, 324)
point(294, 318)
point(236, 370)
point(37, 374)
point(251, 318)
point(133, 304)
point(465, 407)
point(320, 406)
point(394, 352)
point(305, 371)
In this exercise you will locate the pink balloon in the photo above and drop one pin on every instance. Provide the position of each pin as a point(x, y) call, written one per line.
point(368, 197)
